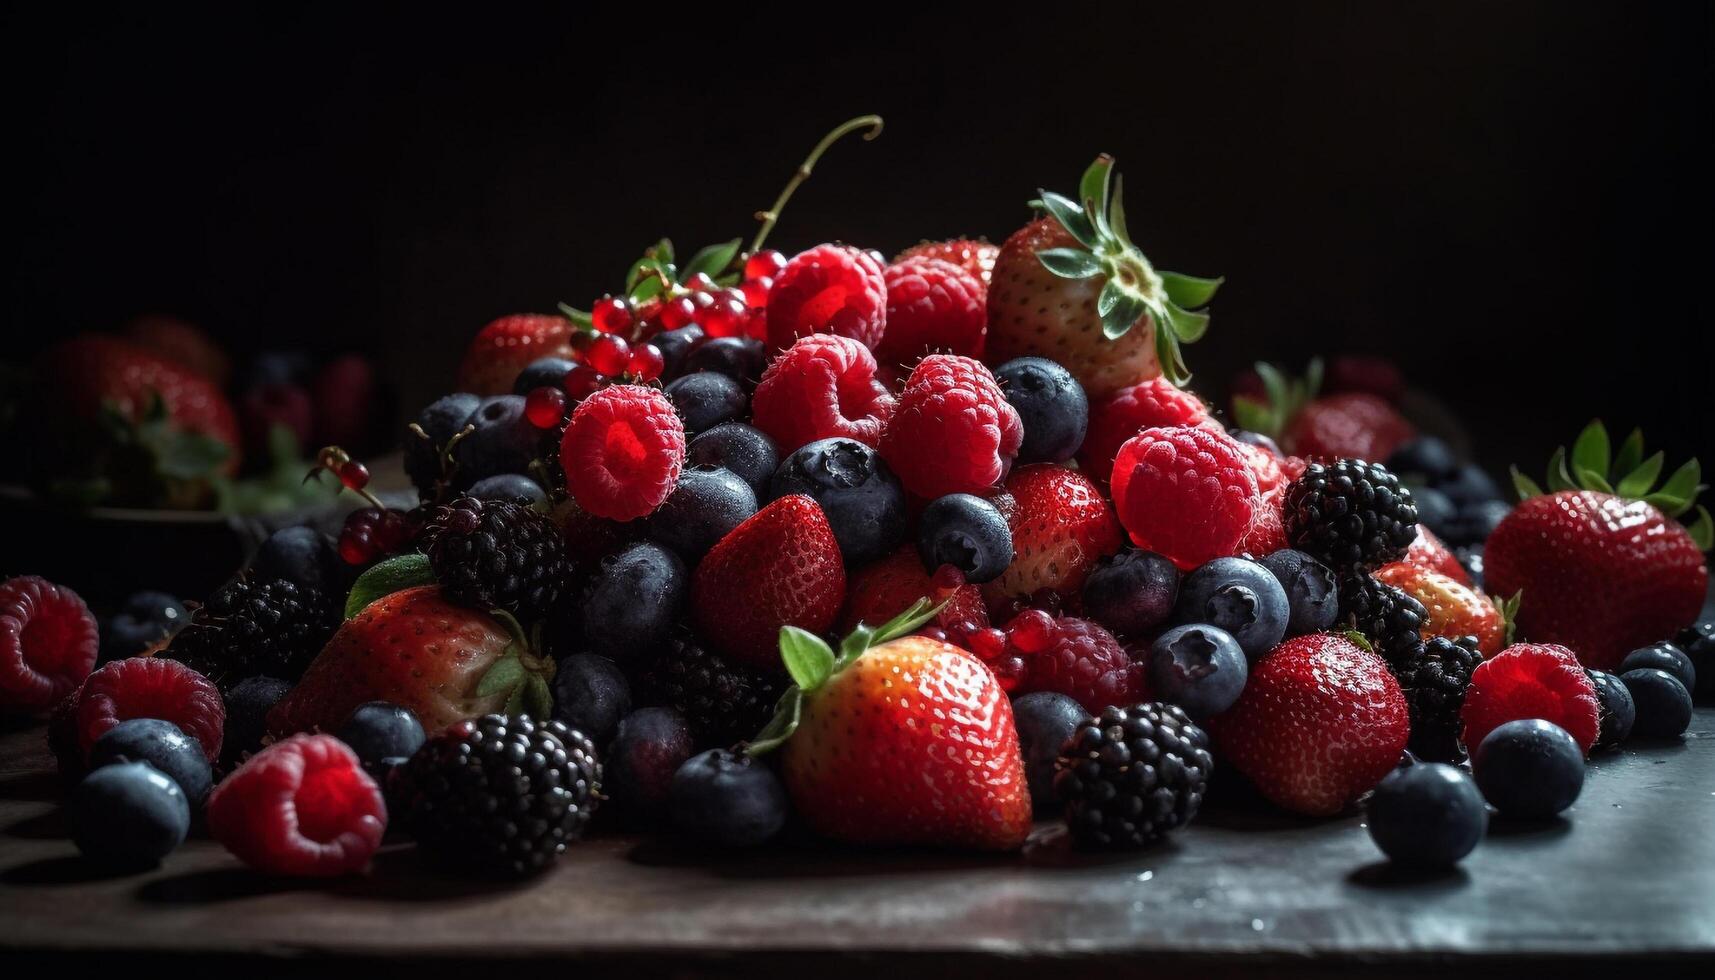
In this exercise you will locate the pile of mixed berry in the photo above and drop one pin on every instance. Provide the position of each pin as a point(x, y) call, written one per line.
point(909, 552)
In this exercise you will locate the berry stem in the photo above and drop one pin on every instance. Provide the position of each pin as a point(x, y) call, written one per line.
point(770, 216)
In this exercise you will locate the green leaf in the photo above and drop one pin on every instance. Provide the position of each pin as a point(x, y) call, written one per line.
point(1252, 415)
point(1591, 480)
point(1071, 217)
point(1189, 291)
point(1093, 192)
point(1124, 316)
point(1683, 485)
point(1702, 530)
point(1360, 639)
point(1070, 263)
point(1558, 477)
point(1109, 297)
point(1187, 326)
point(1313, 378)
point(1116, 213)
point(806, 656)
point(1508, 608)
point(1639, 477)
point(1591, 453)
point(579, 317)
point(1525, 486)
point(909, 621)
point(1630, 454)
point(188, 455)
point(393, 575)
point(515, 704)
point(1172, 360)
point(538, 700)
point(712, 260)
point(787, 713)
point(504, 674)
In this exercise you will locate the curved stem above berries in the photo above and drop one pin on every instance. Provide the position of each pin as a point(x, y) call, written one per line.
point(770, 216)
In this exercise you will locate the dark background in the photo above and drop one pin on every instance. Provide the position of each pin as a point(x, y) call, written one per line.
point(1513, 200)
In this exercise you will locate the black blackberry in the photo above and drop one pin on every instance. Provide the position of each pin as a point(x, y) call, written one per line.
point(498, 554)
point(499, 796)
point(1392, 620)
point(723, 702)
point(1351, 514)
point(1131, 775)
point(252, 627)
point(1435, 692)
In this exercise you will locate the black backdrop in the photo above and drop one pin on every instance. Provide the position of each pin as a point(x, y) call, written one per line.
point(1514, 200)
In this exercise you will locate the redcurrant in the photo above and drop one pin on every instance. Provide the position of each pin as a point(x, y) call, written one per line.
point(756, 291)
point(767, 263)
point(701, 283)
point(609, 354)
point(354, 475)
point(723, 318)
point(1030, 631)
point(545, 406)
point(646, 362)
point(583, 381)
point(677, 312)
point(612, 315)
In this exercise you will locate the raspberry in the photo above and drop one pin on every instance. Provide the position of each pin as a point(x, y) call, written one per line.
point(1270, 475)
point(1531, 680)
point(975, 257)
point(886, 588)
point(828, 289)
point(1127, 412)
point(952, 431)
point(1077, 658)
point(1267, 532)
point(821, 387)
point(151, 687)
point(622, 451)
point(1185, 492)
point(48, 643)
point(301, 807)
point(932, 305)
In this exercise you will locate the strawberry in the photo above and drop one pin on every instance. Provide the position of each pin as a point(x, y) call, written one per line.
point(1061, 526)
point(418, 649)
point(1320, 722)
point(1453, 608)
point(781, 567)
point(1072, 287)
point(1348, 425)
point(506, 346)
point(1428, 551)
point(886, 588)
point(183, 343)
point(898, 739)
point(1603, 563)
point(971, 254)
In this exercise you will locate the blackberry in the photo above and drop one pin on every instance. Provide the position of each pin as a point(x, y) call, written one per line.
point(498, 554)
point(1350, 514)
point(1131, 775)
point(723, 702)
point(253, 628)
point(1435, 692)
point(500, 796)
point(1390, 619)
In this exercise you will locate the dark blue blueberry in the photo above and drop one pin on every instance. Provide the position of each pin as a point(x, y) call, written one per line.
point(161, 744)
point(1257, 439)
point(1200, 668)
point(739, 358)
point(1132, 593)
point(1662, 656)
point(543, 372)
point(1312, 593)
point(247, 707)
point(1471, 559)
point(1045, 720)
point(1050, 403)
point(303, 556)
point(632, 601)
point(591, 694)
point(1698, 642)
point(1529, 769)
point(859, 494)
point(1473, 523)
point(1663, 703)
point(1435, 509)
point(1469, 484)
point(1426, 815)
point(707, 399)
point(742, 449)
point(728, 799)
point(706, 503)
point(509, 486)
point(648, 748)
point(504, 441)
point(144, 620)
point(1618, 711)
point(966, 532)
point(1426, 458)
point(1241, 597)
point(129, 815)
point(380, 730)
point(673, 344)
point(439, 422)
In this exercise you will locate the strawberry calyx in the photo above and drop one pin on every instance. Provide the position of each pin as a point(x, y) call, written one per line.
point(1593, 464)
point(520, 673)
point(1134, 287)
point(1508, 608)
point(1283, 398)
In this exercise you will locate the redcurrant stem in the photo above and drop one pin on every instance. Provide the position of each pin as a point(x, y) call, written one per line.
point(770, 216)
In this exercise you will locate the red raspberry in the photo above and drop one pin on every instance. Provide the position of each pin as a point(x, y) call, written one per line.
point(1267, 532)
point(975, 257)
point(622, 451)
point(829, 289)
point(1125, 413)
point(1080, 659)
point(886, 588)
point(507, 346)
point(48, 643)
point(952, 431)
point(820, 387)
point(1185, 492)
point(1531, 680)
point(301, 807)
point(151, 687)
point(1270, 475)
point(932, 305)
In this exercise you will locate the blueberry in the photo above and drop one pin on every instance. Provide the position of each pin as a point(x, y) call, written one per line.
point(144, 620)
point(1312, 593)
point(1200, 668)
point(129, 815)
point(966, 532)
point(707, 503)
point(1051, 404)
point(728, 799)
point(161, 744)
point(1257, 439)
point(742, 449)
point(1663, 703)
point(247, 707)
point(439, 422)
point(1529, 769)
point(1698, 642)
point(1662, 656)
point(303, 556)
point(1426, 815)
point(632, 601)
point(673, 344)
point(707, 399)
point(739, 358)
point(1435, 509)
point(648, 748)
point(1468, 485)
point(509, 486)
point(1426, 457)
point(1618, 712)
point(1241, 597)
point(1470, 558)
point(1473, 523)
point(1132, 593)
point(503, 441)
point(859, 494)
point(1045, 720)
point(379, 730)
point(591, 694)
point(543, 372)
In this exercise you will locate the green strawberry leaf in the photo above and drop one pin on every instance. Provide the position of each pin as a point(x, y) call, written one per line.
point(1125, 314)
point(1071, 217)
point(1251, 414)
point(1189, 291)
point(1630, 454)
point(1172, 358)
point(1639, 477)
point(712, 260)
point(505, 674)
point(1525, 486)
point(1093, 193)
point(1559, 478)
point(1684, 485)
point(806, 656)
point(1187, 326)
point(385, 578)
point(580, 318)
point(1703, 530)
point(1070, 263)
point(515, 704)
point(1508, 608)
point(788, 711)
point(1590, 453)
point(1591, 480)
point(1116, 214)
point(1112, 292)
point(538, 700)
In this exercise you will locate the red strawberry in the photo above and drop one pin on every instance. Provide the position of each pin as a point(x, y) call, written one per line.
point(1061, 526)
point(417, 649)
point(973, 255)
point(1428, 551)
point(1320, 722)
point(1349, 425)
point(1531, 680)
point(886, 588)
point(1600, 572)
point(1454, 609)
point(781, 567)
point(506, 346)
point(178, 341)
